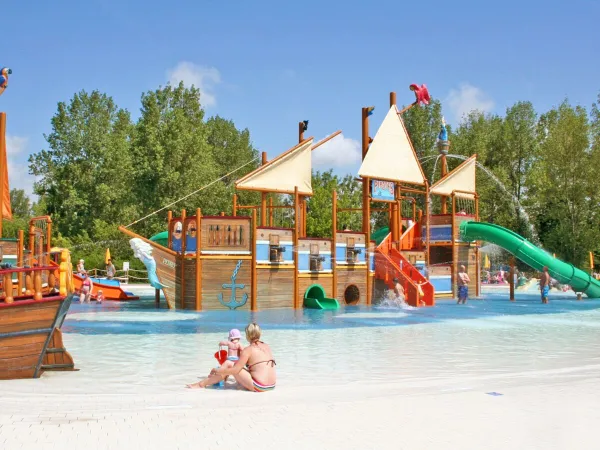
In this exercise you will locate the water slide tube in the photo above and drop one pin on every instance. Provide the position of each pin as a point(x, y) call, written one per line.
point(531, 255)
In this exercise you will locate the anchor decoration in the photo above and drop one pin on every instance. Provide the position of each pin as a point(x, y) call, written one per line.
point(233, 303)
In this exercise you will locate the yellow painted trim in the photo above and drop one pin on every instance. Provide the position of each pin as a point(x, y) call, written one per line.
point(227, 257)
point(269, 266)
point(317, 275)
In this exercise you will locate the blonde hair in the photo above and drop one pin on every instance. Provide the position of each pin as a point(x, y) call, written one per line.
point(253, 332)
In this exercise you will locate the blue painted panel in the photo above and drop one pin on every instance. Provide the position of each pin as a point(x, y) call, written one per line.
point(372, 262)
point(439, 233)
point(262, 252)
point(176, 245)
point(340, 254)
point(190, 244)
point(441, 284)
point(303, 261)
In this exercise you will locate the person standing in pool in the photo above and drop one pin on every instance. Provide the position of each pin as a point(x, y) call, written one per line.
point(463, 281)
point(545, 284)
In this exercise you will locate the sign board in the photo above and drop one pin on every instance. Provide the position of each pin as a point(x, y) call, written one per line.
point(125, 266)
point(383, 190)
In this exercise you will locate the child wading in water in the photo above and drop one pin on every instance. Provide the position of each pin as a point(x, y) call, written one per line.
point(234, 350)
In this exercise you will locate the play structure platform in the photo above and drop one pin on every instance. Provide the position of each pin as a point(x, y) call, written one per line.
point(244, 259)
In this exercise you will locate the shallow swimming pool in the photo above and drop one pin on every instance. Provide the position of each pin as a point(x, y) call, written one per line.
point(133, 356)
point(141, 317)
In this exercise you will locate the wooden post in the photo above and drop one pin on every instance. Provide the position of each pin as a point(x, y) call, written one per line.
point(182, 258)
point(444, 173)
point(263, 198)
point(427, 229)
point(3, 161)
point(454, 253)
point(366, 197)
point(333, 244)
point(48, 240)
point(37, 285)
point(20, 248)
point(157, 298)
point(198, 260)
point(253, 277)
point(31, 244)
point(8, 288)
point(234, 207)
point(477, 245)
point(271, 212)
point(295, 245)
point(169, 218)
point(511, 280)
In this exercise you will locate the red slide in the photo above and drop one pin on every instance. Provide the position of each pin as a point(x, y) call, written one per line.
point(390, 264)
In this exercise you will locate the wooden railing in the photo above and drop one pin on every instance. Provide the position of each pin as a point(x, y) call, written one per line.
point(30, 281)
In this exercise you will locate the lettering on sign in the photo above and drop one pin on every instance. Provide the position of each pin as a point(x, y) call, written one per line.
point(166, 262)
point(383, 190)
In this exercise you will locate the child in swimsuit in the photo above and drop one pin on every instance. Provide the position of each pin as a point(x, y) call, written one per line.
point(233, 345)
point(100, 297)
point(234, 348)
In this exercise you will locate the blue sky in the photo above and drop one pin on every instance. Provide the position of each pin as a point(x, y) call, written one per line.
point(268, 65)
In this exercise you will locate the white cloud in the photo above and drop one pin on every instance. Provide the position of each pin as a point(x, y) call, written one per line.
point(201, 77)
point(468, 98)
point(338, 152)
point(18, 168)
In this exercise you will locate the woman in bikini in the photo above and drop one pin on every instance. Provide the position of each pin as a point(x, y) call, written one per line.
point(254, 371)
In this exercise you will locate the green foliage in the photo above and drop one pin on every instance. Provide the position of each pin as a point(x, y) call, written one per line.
point(20, 203)
point(101, 169)
point(349, 195)
point(85, 173)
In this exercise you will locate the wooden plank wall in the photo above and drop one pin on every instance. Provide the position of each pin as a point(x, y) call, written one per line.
point(347, 276)
point(189, 281)
point(19, 355)
point(215, 273)
point(275, 287)
point(165, 270)
point(8, 247)
point(224, 233)
point(305, 281)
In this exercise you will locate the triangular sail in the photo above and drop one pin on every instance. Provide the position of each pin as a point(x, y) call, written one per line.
point(282, 174)
point(461, 178)
point(391, 156)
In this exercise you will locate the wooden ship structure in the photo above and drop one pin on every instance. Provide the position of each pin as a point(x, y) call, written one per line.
point(242, 259)
point(34, 293)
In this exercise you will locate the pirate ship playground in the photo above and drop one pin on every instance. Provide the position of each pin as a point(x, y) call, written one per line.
point(241, 261)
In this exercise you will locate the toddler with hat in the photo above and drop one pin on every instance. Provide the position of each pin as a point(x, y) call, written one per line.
point(233, 345)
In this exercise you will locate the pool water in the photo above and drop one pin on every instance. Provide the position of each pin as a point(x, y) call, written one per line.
point(141, 317)
point(129, 353)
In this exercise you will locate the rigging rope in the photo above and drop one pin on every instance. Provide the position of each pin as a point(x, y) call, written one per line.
point(195, 192)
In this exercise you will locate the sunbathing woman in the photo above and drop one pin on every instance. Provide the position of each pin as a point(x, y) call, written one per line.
point(255, 370)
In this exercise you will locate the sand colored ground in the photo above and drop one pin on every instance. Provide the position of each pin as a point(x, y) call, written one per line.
point(424, 386)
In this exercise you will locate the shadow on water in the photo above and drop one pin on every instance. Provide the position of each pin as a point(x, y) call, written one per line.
point(141, 317)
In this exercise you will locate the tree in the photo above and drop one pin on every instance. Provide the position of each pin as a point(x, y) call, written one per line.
point(349, 194)
point(563, 184)
point(20, 203)
point(85, 173)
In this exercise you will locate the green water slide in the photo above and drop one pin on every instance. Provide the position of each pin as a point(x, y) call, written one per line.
point(531, 255)
point(379, 235)
point(161, 238)
point(314, 298)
